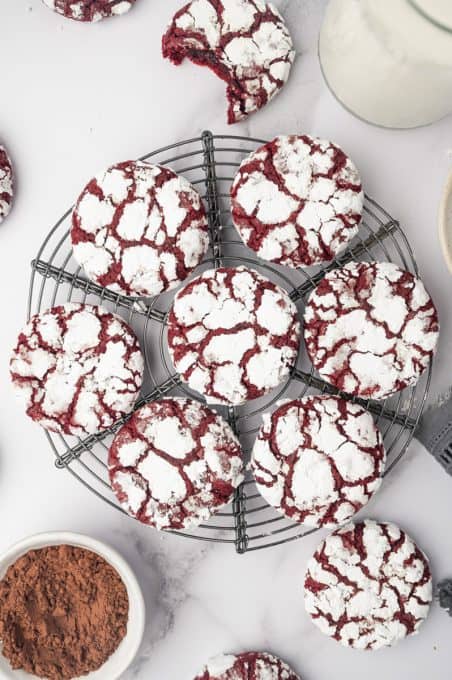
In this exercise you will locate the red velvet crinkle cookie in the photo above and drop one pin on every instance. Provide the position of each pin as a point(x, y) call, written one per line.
point(233, 335)
point(174, 463)
point(78, 368)
point(370, 328)
point(247, 666)
point(318, 460)
point(6, 183)
point(297, 200)
point(139, 229)
point(368, 585)
point(246, 43)
point(90, 10)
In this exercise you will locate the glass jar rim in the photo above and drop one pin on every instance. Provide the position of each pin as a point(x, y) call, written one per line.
point(429, 17)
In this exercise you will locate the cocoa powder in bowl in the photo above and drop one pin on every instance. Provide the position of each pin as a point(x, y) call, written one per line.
point(63, 612)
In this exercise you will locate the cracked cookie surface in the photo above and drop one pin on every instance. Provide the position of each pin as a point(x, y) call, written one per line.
point(247, 666)
point(297, 200)
point(318, 460)
point(368, 585)
point(233, 335)
point(139, 229)
point(370, 328)
point(246, 43)
point(174, 463)
point(6, 184)
point(78, 368)
point(89, 10)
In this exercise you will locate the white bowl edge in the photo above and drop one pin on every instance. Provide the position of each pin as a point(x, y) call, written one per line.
point(445, 222)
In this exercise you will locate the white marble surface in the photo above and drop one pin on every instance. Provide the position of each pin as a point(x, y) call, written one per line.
point(73, 98)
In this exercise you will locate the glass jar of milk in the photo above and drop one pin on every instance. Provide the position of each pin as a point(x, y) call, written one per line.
point(389, 61)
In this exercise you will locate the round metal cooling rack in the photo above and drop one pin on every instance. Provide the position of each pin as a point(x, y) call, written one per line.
point(210, 162)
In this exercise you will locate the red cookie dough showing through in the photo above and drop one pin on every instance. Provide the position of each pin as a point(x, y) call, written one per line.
point(139, 229)
point(233, 335)
point(370, 329)
point(297, 201)
point(174, 464)
point(6, 184)
point(247, 666)
point(89, 10)
point(368, 585)
point(318, 460)
point(78, 368)
point(246, 43)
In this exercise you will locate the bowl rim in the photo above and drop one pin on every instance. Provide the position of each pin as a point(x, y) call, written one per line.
point(137, 613)
point(443, 227)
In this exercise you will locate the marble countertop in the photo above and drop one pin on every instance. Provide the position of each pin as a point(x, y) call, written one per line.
point(74, 98)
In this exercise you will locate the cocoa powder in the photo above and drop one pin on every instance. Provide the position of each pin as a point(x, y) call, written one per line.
point(63, 612)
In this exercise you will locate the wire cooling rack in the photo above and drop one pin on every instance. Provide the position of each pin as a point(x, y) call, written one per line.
point(210, 162)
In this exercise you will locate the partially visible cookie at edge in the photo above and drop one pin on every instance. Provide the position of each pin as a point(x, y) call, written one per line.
point(6, 183)
point(89, 11)
point(255, 665)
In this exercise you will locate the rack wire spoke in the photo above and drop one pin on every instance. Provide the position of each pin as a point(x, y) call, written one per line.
point(377, 408)
point(248, 523)
point(61, 275)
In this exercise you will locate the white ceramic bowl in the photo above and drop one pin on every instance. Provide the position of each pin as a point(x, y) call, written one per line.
point(445, 223)
point(123, 656)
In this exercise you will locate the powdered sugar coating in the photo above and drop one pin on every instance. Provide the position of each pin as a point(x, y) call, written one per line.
point(371, 328)
point(90, 10)
point(6, 183)
point(233, 335)
point(245, 42)
point(297, 200)
point(318, 460)
point(174, 463)
point(247, 666)
point(139, 229)
point(368, 585)
point(78, 368)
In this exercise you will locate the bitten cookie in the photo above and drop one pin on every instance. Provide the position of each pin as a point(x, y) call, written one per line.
point(318, 460)
point(89, 10)
point(174, 463)
point(78, 368)
point(368, 585)
point(370, 328)
point(233, 335)
point(246, 43)
point(297, 200)
point(139, 229)
point(247, 666)
point(6, 183)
